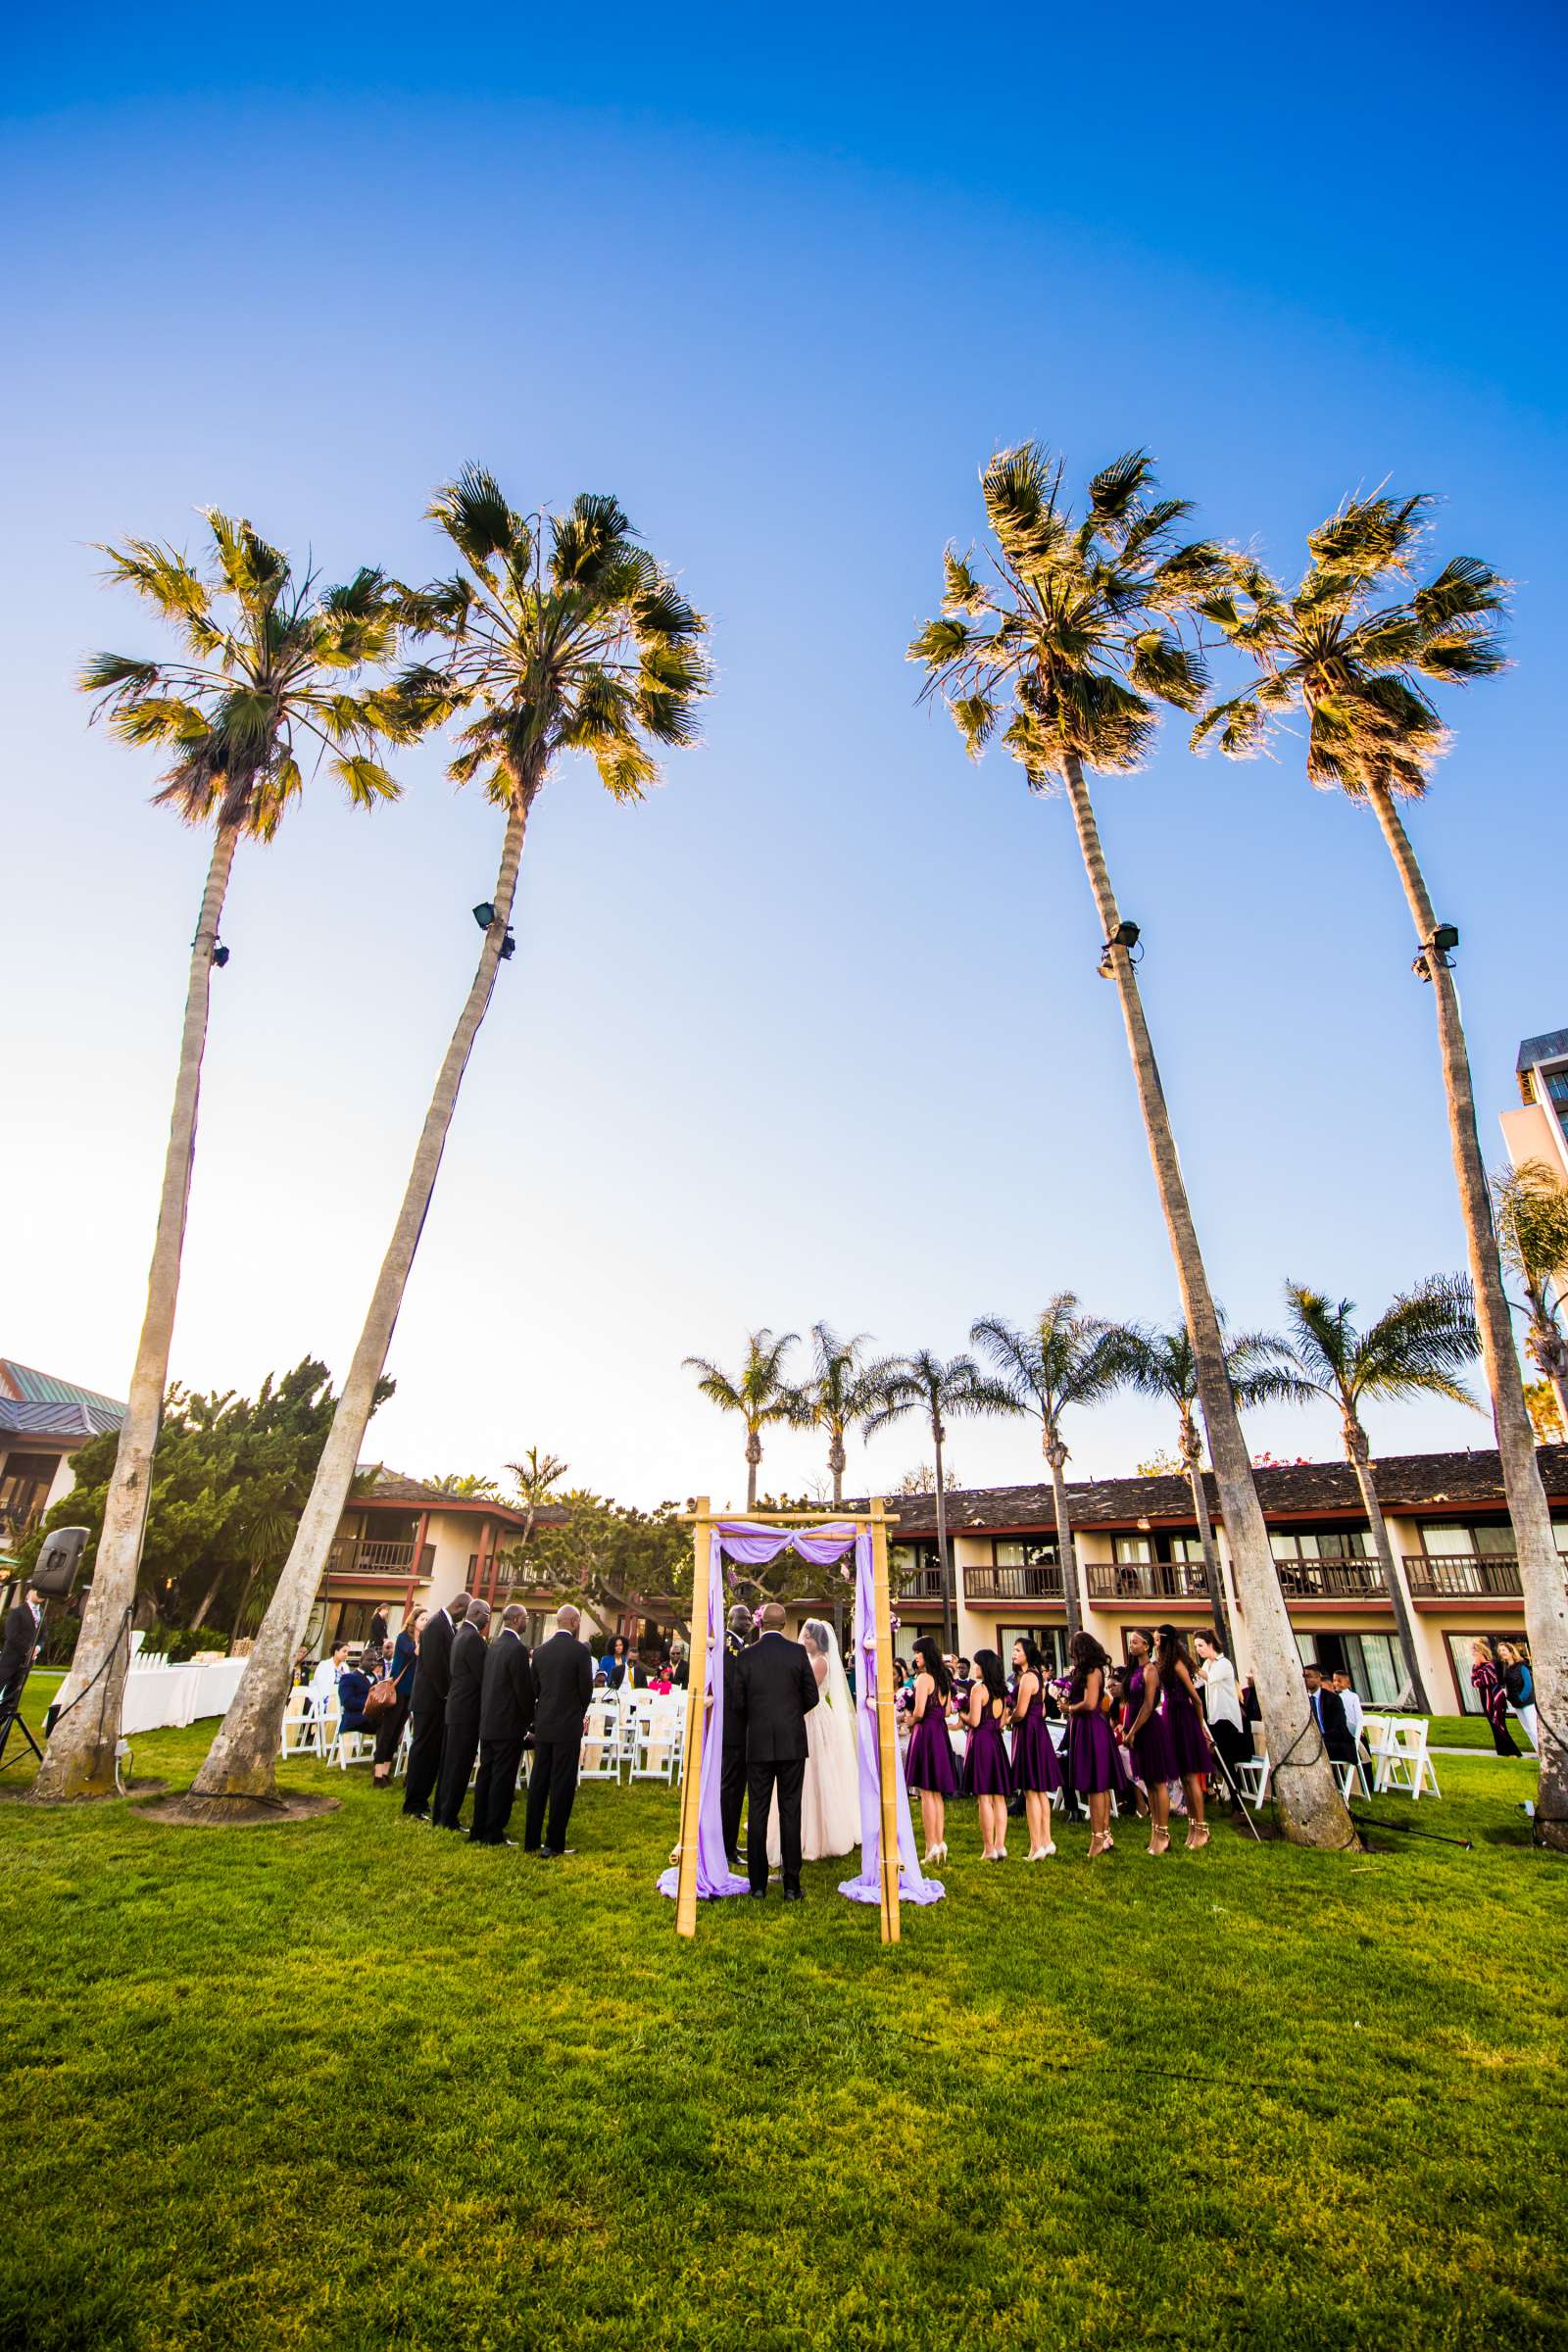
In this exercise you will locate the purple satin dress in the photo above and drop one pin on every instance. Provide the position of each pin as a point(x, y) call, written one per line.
point(928, 1761)
point(1183, 1729)
point(1152, 1748)
point(1034, 1756)
point(987, 1771)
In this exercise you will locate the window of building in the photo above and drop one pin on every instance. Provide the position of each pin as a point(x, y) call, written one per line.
point(24, 1486)
point(1371, 1660)
point(1460, 1660)
point(1321, 1542)
point(1031, 1551)
point(1053, 1640)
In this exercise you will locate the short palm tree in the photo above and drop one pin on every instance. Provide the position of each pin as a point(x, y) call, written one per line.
point(760, 1392)
point(1532, 1211)
point(942, 1392)
point(1062, 1361)
point(1357, 649)
point(538, 1474)
point(465, 1486)
point(1164, 1364)
point(843, 1390)
point(1072, 634)
point(562, 633)
point(261, 685)
point(1417, 1347)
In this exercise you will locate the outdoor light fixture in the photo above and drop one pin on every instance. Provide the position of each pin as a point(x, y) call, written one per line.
point(484, 914)
point(219, 957)
point(1445, 939)
point(509, 948)
point(1125, 935)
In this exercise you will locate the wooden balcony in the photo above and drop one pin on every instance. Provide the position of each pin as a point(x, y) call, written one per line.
point(1014, 1582)
point(1147, 1580)
point(918, 1584)
point(1331, 1580)
point(369, 1555)
point(1462, 1576)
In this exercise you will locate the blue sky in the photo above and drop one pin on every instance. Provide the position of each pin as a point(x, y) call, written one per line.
point(816, 1032)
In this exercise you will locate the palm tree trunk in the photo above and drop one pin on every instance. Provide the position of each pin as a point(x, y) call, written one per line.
point(211, 1595)
point(949, 1599)
point(1360, 1455)
point(79, 1760)
point(753, 1456)
point(1066, 1550)
point(1213, 1569)
point(837, 1462)
point(242, 1761)
point(1540, 1570)
point(1310, 1805)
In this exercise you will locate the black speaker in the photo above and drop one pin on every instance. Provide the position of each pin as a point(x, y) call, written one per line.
point(59, 1563)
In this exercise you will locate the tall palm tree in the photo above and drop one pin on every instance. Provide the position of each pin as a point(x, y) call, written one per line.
point(561, 634)
point(1164, 1364)
point(1417, 1347)
point(761, 1393)
point(1532, 1211)
point(259, 686)
point(842, 1394)
point(1357, 649)
point(1075, 635)
point(1063, 1359)
point(923, 1383)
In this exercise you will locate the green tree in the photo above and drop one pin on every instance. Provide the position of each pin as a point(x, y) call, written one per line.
point(1417, 1347)
point(1356, 648)
point(1532, 1209)
point(1074, 638)
point(561, 634)
point(923, 1383)
point(537, 1476)
point(616, 1561)
point(760, 1393)
point(842, 1392)
point(1164, 1364)
point(471, 1485)
point(261, 679)
point(1059, 1363)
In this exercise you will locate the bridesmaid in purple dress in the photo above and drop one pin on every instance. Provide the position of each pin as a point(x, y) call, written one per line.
point(987, 1772)
point(1036, 1773)
point(1090, 1741)
point(1184, 1729)
point(928, 1764)
point(1149, 1739)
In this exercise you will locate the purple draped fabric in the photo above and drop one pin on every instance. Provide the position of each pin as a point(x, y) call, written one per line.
point(914, 1885)
point(753, 1546)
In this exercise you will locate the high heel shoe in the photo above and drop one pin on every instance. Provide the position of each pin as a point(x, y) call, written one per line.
point(1160, 1841)
point(1098, 1844)
point(1196, 1839)
point(937, 1855)
point(1040, 1853)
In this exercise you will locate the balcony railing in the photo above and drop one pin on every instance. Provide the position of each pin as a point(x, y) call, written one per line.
point(1013, 1581)
point(1331, 1580)
point(1462, 1576)
point(368, 1555)
point(918, 1584)
point(1147, 1580)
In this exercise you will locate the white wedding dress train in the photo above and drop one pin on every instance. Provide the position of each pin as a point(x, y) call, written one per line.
point(830, 1797)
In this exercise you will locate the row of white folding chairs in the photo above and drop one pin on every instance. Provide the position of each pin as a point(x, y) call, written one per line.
point(1401, 1763)
point(644, 1739)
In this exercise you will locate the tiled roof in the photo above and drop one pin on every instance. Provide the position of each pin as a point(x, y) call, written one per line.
point(21, 1383)
point(1405, 1482)
point(391, 1486)
point(1550, 1046)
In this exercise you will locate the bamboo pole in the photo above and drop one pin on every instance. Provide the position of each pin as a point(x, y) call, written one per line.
point(828, 1516)
point(691, 1793)
point(887, 1739)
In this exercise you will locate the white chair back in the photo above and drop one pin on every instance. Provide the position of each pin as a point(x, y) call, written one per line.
point(600, 1756)
point(1404, 1765)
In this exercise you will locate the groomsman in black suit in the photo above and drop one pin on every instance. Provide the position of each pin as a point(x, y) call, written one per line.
point(432, 1681)
point(562, 1684)
point(1328, 1713)
point(506, 1711)
point(732, 1762)
point(778, 1690)
point(464, 1701)
point(16, 1649)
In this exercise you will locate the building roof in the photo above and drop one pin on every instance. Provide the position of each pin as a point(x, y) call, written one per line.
point(1446, 1482)
point(392, 1487)
point(1550, 1046)
point(36, 1404)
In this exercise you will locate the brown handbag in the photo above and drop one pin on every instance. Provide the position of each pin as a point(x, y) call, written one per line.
point(382, 1697)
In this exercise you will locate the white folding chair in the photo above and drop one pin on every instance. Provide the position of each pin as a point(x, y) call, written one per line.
point(1352, 1774)
point(1406, 1768)
point(400, 1762)
point(353, 1748)
point(654, 1758)
point(600, 1756)
point(1253, 1778)
point(321, 1736)
point(298, 1726)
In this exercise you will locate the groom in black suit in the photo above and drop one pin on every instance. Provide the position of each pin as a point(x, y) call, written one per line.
point(777, 1691)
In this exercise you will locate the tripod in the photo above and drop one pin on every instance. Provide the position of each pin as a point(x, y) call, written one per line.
point(11, 1716)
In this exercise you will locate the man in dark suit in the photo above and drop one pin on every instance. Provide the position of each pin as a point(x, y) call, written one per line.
point(778, 1690)
point(562, 1684)
point(465, 1697)
point(1328, 1713)
point(506, 1711)
point(732, 1772)
point(20, 1641)
point(432, 1681)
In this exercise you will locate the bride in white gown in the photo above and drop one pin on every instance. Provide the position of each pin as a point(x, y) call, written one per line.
point(830, 1800)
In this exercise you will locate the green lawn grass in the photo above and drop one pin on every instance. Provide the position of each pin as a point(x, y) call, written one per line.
point(353, 2084)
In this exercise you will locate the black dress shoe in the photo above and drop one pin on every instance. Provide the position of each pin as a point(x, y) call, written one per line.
point(409, 1813)
point(555, 1854)
point(793, 1894)
point(757, 1894)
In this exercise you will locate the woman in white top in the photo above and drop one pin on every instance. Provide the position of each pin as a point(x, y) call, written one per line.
point(1222, 1707)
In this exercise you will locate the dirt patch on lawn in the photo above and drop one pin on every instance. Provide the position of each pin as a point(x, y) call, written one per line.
point(187, 1812)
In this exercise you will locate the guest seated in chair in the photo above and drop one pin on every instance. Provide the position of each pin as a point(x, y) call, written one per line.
point(353, 1689)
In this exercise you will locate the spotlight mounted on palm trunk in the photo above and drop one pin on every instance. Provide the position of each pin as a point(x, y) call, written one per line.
point(484, 914)
point(1125, 935)
point(1440, 948)
point(509, 947)
point(219, 957)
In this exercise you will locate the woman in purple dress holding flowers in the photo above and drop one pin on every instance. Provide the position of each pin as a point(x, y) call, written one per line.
point(987, 1774)
point(1185, 1730)
point(1090, 1741)
point(928, 1764)
point(1149, 1739)
point(1036, 1773)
